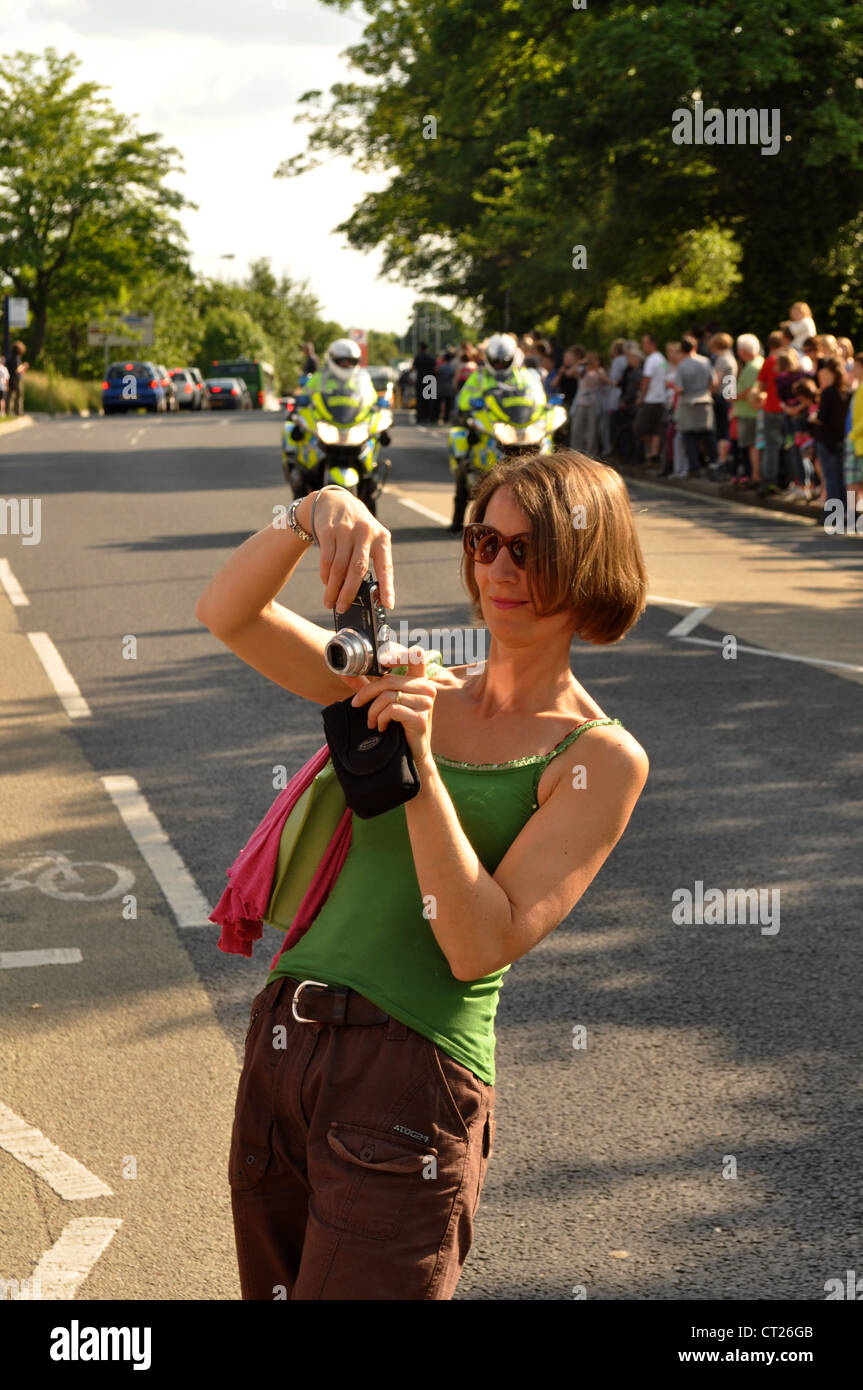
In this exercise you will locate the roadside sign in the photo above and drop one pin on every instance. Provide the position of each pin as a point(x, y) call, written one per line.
point(19, 312)
point(123, 330)
point(358, 336)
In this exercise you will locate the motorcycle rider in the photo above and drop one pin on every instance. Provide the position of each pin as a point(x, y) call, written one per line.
point(344, 362)
point(342, 370)
point(504, 363)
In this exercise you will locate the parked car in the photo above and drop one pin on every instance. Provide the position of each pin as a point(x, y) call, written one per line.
point(288, 404)
point(191, 394)
point(130, 385)
point(228, 393)
point(205, 395)
point(173, 402)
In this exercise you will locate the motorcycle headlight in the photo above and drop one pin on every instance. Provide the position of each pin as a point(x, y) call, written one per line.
point(327, 434)
point(385, 419)
point(357, 434)
point(505, 434)
point(534, 433)
point(558, 417)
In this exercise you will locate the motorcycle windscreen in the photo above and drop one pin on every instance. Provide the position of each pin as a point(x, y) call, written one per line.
point(519, 406)
point(343, 407)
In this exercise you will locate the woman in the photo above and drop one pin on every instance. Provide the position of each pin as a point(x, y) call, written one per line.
point(359, 1152)
point(829, 427)
point(584, 416)
point(725, 367)
point(695, 380)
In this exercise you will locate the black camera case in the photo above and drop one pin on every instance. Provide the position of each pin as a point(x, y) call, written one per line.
point(375, 767)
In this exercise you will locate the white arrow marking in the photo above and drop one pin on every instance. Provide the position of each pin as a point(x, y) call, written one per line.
point(69, 1178)
point(63, 1269)
point(780, 656)
point(689, 622)
point(56, 955)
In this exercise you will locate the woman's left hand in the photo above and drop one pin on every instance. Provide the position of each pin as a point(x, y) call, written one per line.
point(417, 693)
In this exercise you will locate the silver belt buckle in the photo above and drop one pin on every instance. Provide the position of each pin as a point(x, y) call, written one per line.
point(300, 987)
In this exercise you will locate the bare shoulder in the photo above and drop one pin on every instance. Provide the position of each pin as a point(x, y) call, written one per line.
point(608, 762)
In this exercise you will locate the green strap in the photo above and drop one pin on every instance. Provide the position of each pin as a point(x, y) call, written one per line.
point(582, 728)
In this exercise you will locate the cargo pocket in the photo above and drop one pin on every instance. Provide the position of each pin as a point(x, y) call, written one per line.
point(485, 1154)
point(370, 1179)
point(251, 1147)
point(462, 1093)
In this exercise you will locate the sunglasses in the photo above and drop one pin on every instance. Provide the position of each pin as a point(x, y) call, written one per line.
point(483, 542)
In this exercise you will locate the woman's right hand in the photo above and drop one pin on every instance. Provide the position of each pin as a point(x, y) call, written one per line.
point(350, 538)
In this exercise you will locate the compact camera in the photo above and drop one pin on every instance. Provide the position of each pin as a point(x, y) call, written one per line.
point(361, 632)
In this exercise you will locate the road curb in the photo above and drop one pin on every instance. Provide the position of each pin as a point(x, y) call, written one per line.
point(723, 492)
point(14, 425)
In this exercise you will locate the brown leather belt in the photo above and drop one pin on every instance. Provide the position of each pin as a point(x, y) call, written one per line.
point(315, 1002)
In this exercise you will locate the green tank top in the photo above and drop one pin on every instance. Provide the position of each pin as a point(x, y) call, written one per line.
point(373, 931)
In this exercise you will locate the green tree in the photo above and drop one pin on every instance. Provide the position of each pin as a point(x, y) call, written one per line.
point(383, 347)
point(82, 196)
point(552, 131)
point(229, 332)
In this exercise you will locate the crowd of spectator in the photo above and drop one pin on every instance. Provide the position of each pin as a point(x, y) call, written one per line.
point(782, 418)
point(786, 418)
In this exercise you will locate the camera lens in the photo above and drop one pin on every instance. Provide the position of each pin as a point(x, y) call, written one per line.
point(349, 653)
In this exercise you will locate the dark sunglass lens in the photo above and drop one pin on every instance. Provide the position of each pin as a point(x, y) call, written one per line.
point(518, 550)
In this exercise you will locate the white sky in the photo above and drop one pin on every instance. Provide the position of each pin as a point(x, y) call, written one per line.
point(219, 79)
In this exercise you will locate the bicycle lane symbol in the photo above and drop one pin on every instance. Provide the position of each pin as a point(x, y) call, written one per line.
point(51, 872)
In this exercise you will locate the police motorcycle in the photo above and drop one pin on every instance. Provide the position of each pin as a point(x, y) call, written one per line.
point(337, 429)
point(503, 410)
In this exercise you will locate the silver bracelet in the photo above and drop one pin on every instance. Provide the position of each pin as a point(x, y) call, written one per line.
point(314, 504)
point(295, 525)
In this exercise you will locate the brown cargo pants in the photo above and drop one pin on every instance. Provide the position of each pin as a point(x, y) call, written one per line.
point(357, 1157)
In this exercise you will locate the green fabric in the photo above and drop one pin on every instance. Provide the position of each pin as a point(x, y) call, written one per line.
point(308, 830)
point(372, 934)
point(745, 410)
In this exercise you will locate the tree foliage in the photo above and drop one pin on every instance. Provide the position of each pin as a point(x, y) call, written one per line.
point(512, 133)
point(83, 203)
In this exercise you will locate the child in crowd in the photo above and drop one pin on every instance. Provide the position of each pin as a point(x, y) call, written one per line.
point(802, 405)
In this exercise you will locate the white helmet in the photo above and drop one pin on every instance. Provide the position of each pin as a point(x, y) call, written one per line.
point(343, 357)
point(501, 353)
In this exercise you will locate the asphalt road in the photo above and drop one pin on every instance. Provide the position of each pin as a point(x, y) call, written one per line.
point(704, 1144)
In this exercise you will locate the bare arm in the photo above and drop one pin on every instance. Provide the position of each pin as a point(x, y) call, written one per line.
point(238, 605)
point(483, 922)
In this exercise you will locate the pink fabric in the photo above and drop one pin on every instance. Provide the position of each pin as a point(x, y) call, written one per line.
point(241, 907)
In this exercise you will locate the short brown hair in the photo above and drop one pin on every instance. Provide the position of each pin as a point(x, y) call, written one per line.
point(774, 341)
point(596, 571)
point(722, 342)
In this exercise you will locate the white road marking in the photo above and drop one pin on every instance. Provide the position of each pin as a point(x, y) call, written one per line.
point(14, 592)
point(224, 420)
point(60, 676)
point(780, 656)
point(679, 602)
point(690, 622)
point(63, 1269)
point(87, 425)
point(68, 1178)
point(184, 897)
point(57, 955)
point(137, 435)
point(424, 511)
